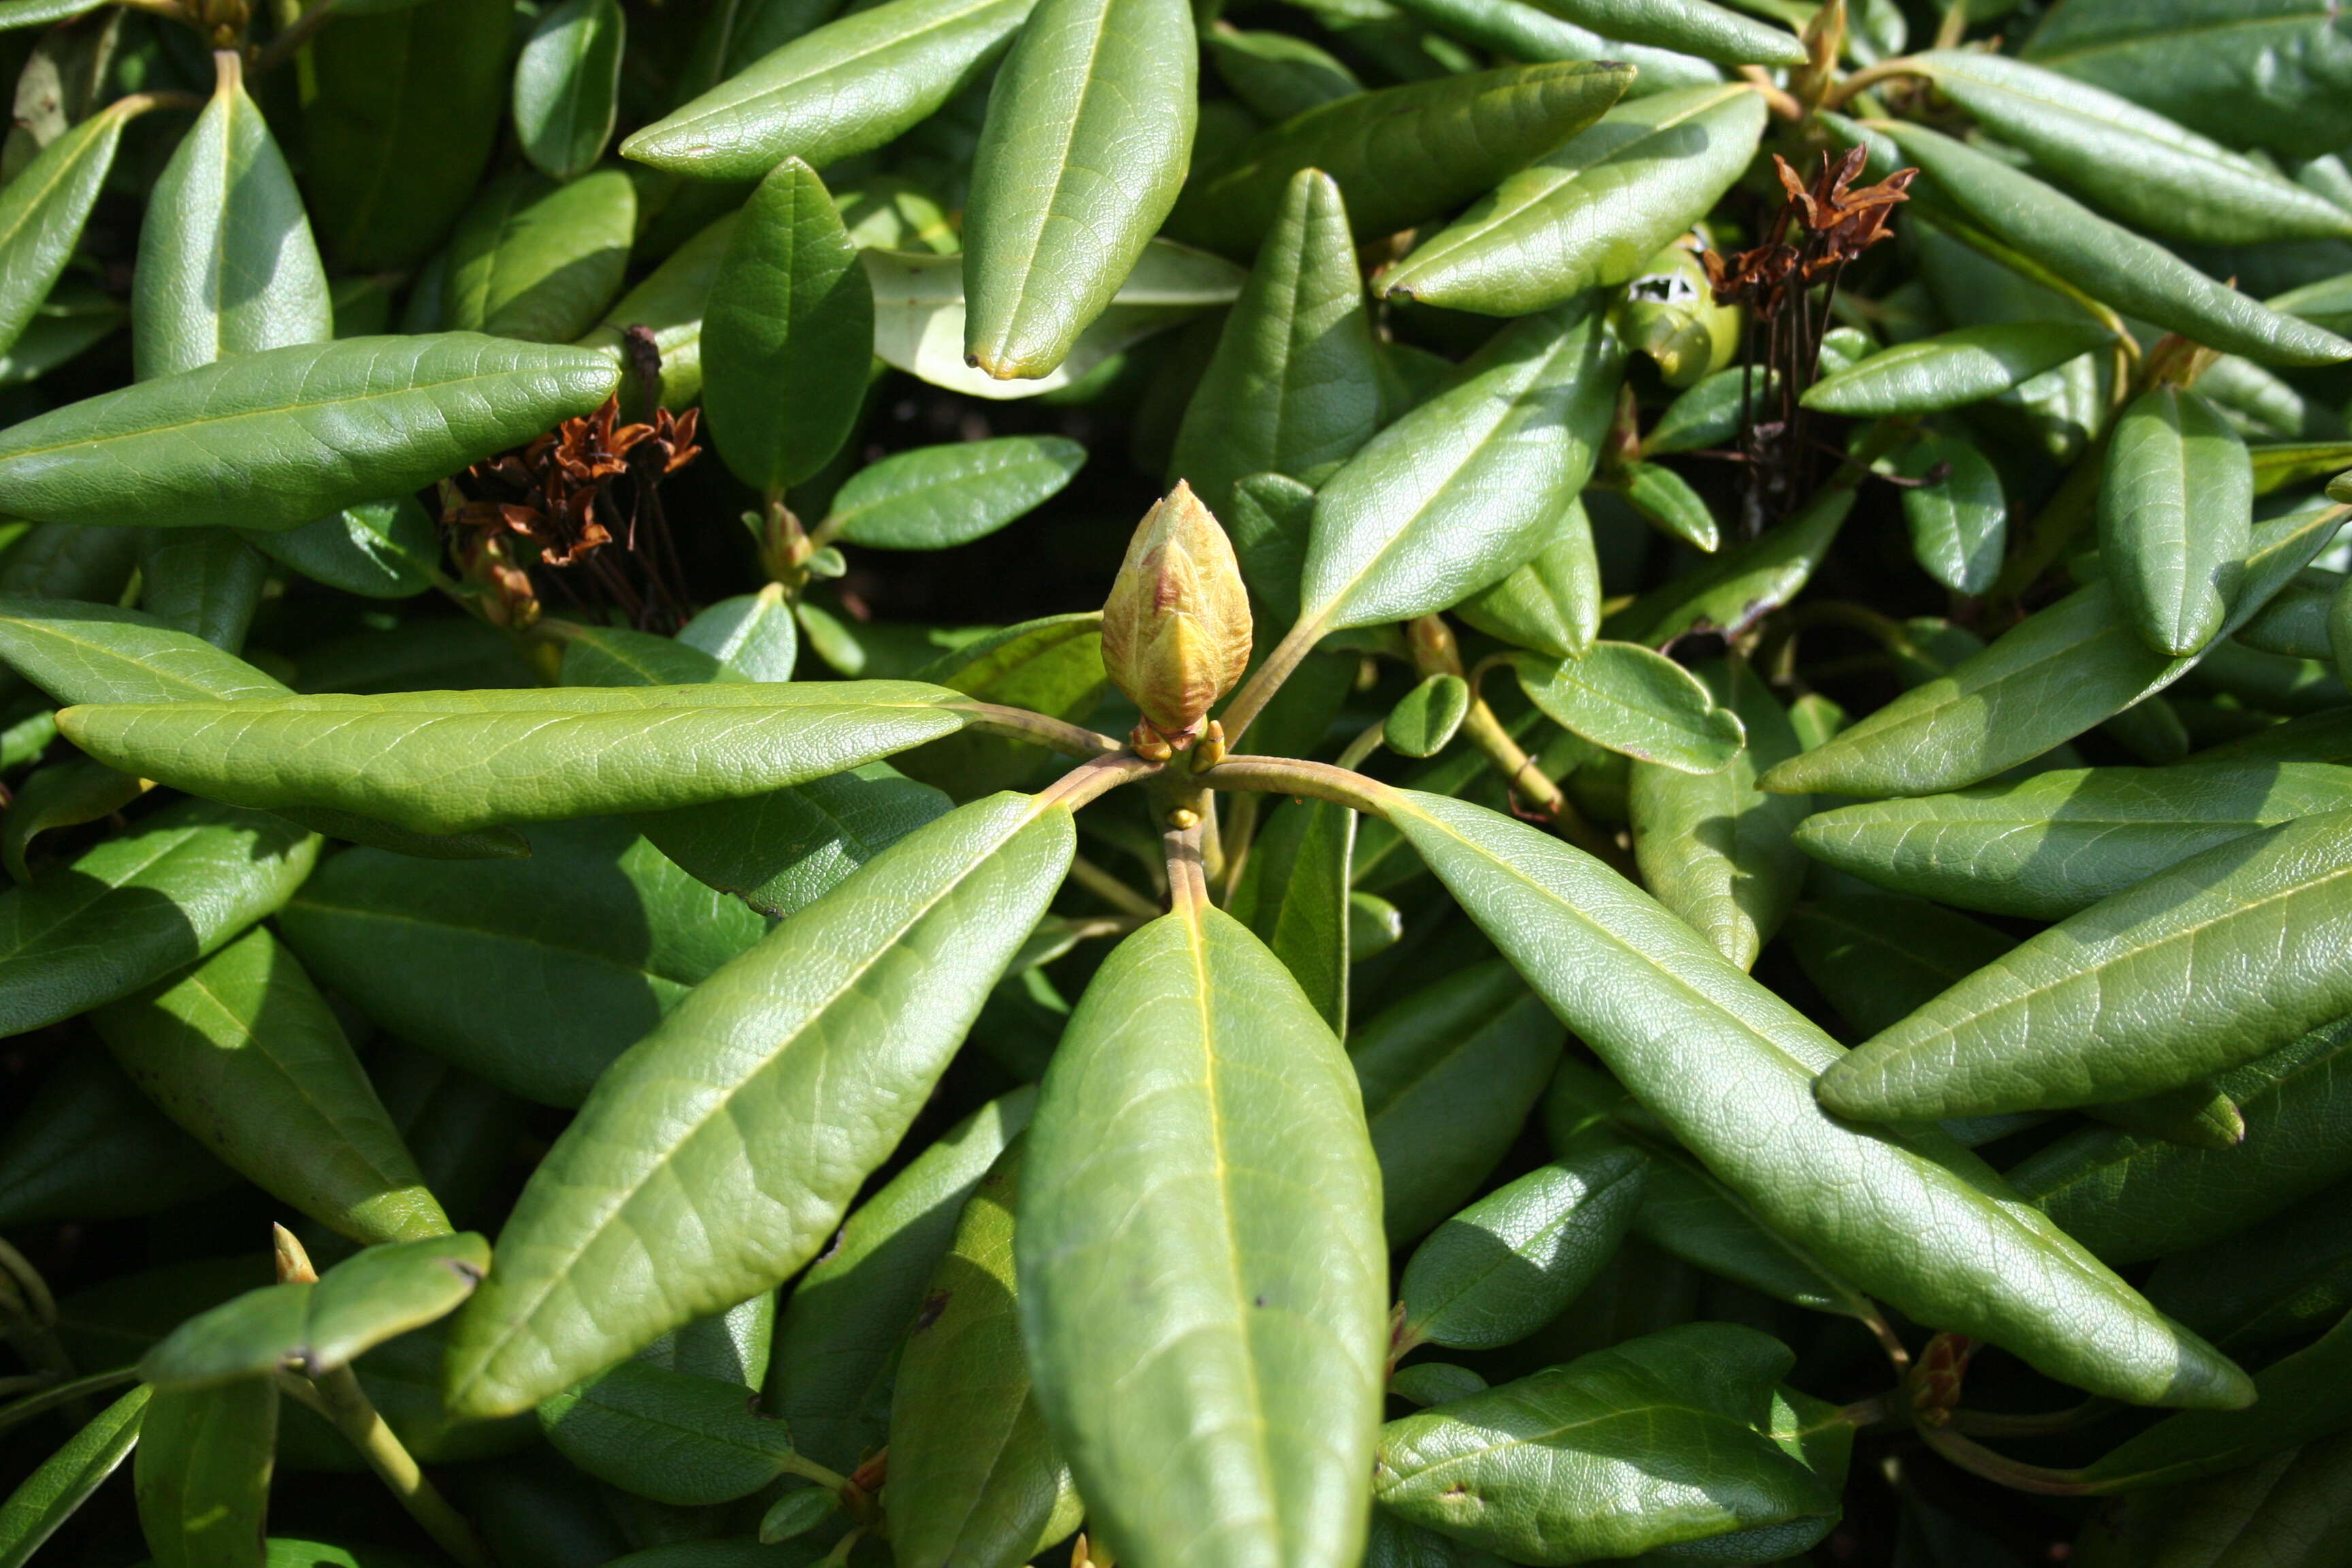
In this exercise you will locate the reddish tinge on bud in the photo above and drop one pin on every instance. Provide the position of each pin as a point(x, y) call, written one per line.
point(1176, 628)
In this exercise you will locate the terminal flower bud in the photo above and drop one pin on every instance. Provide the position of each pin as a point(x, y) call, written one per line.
point(1176, 628)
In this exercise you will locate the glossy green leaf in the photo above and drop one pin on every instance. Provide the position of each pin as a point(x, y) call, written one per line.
point(1522, 32)
point(1507, 1265)
point(1422, 1382)
point(669, 1435)
point(1089, 125)
point(2295, 624)
point(2047, 679)
point(65, 1480)
point(567, 85)
point(975, 1474)
point(2277, 1282)
point(1708, 413)
point(1276, 75)
point(2107, 261)
point(2130, 1198)
point(203, 1473)
point(1269, 520)
point(1959, 518)
point(1712, 848)
point(2303, 1398)
point(1402, 155)
point(1593, 210)
point(2224, 956)
point(380, 550)
point(368, 417)
point(1940, 1238)
point(845, 88)
point(669, 305)
point(226, 264)
point(784, 1035)
point(1294, 386)
point(1691, 27)
point(1664, 1440)
point(1954, 368)
point(1732, 590)
point(2175, 517)
point(88, 1145)
point(2053, 845)
point(533, 974)
point(441, 762)
point(838, 1347)
point(1551, 605)
point(1668, 503)
point(537, 260)
point(781, 851)
point(63, 561)
point(42, 212)
point(245, 1054)
point(790, 307)
point(1425, 718)
point(935, 498)
point(404, 112)
point(204, 581)
point(751, 634)
point(1622, 697)
point(1878, 956)
point(1448, 1076)
point(1292, 896)
point(1053, 665)
point(1199, 1252)
point(1462, 492)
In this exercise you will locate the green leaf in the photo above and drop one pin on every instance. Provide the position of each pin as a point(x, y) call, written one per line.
point(1448, 1075)
point(1959, 519)
point(65, 1480)
point(203, 1473)
point(1509, 1263)
point(1464, 489)
point(1551, 605)
point(1276, 75)
point(936, 497)
point(1622, 697)
point(1294, 386)
point(669, 1435)
point(2051, 677)
point(1090, 87)
point(975, 1474)
point(2261, 1286)
point(2221, 958)
point(204, 581)
point(1425, 718)
point(567, 85)
point(43, 209)
point(751, 634)
point(88, 1145)
point(2288, 1510)
point(2107, 261)
point(1199, 1252)
point(1593, 210)
point(379, 548)
point(404, 113)
point(919, 315)
point(615, 655)
point(784, 1037)
point(533, 974)
point(2129, 1197)
point(1269, 523)
point(838, 1348)
point(134, 908)
point(2150, 172)
point(446, 760)
point(790, 307)
point(2176, 517)
point(310, 429)
point(845, 88)
point(1664, 1440)
point(1292, 896)
point(1953, 369)
point(1676, 1023)
point(1708, 413)
point(1404, 156)
point(1053, 665)
point(226, 264)
point(1521, 32)
point(2303, 1398)
point(669, 304)
point(1738, 588)
point(243, 1053)
point(2053, 845)
point(2295, 624)
point(537, 260)
point(1690, 26)
point(781, 851)
point(1668, 503)
point(1713, 849)
point(320, 1327)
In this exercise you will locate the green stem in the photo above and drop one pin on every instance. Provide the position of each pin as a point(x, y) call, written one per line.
point(1103, 885)
point(1290, 775)
point(338, 1396)
point(1979, 1461)
point(1375, 735)
point(1020, 724)
point(1096, 776)
point(1241, 833)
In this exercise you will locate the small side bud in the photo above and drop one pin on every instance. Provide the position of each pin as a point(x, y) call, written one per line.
point(293, 1260)
point(1176, 628)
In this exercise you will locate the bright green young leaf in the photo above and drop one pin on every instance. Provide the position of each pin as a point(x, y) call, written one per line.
point(787, 335)
point(2223, 957)
point(1200, 1252)
point(669, 1435)
point(1951, 369)
point(1939, 1238)
point(567, 85)
point(202, 1471)
point(1690, 26)
point(1089, 125)
point(975, 1474)
point(537, 260)
point(1668, 503)
point(43, 209)
point(1402, 155)
point(1959, 518)
point(784, 1037)
point(243, 1053)
point(1551, 605)
point(1622, 697)
point(1292, 896)
point(2176, 515)
point(1424, 720)
point(1593, 210)
point(935, 498)
point(752, 635)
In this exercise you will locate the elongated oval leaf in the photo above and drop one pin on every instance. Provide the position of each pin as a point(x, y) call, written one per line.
point(1507, 1265)
point(42, 212)
point(89, 1145)
point(1551, 605)
point(2303, 1399)
point(1200, 1252)
point(48, 1497)
point(935, 498)
point(1692, 27)
point(567, 85)
point(669, 1435)
point(1622, 697)
point(1736, 589)
point(786, 1037)
point(1958, 517)
point(203, 1473)
point(2176, 515)
point(1518, 31)
point(1728, 1067)
point(1953, 368)
point(537, 260)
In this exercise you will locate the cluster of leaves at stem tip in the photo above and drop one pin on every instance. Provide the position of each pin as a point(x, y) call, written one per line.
point(1691, 902)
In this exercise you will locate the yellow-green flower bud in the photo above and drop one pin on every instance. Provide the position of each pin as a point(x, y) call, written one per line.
point(1176, 628)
